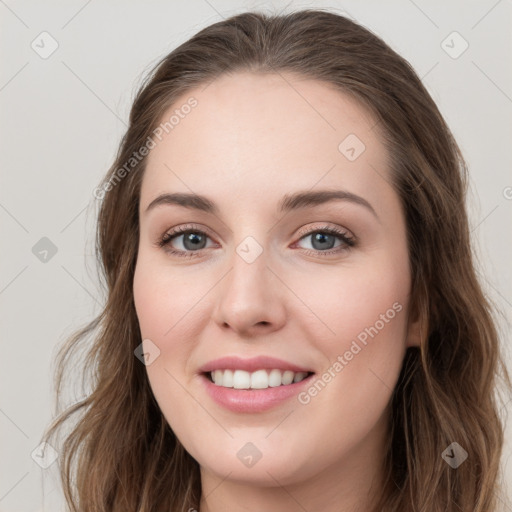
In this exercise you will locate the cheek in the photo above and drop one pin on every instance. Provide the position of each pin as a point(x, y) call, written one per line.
point(369, 307)
point(360, 326)
point(162, 300)
point(345, 303)
point(366, 313)
point(163, 297)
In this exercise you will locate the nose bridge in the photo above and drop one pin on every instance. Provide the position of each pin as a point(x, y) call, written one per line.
point(248, 295)
point(247, 279)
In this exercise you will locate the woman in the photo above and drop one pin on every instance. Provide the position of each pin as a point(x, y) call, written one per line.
point(293, 319)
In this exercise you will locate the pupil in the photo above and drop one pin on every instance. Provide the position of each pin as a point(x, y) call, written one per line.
point(322, 238)
point(194, 239)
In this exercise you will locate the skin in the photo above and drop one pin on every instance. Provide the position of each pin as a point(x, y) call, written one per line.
point(252, 139)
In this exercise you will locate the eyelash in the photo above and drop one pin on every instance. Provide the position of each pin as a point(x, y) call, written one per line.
point(342, 235)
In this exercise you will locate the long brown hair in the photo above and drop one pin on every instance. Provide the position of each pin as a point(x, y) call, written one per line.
point(122, 456)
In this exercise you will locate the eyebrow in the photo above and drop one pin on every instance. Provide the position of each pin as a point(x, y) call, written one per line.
point(295, 201)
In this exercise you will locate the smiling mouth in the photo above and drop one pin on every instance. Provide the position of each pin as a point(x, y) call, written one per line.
point(259, 379)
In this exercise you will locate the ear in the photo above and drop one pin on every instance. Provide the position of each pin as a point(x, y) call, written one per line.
point(416, 328)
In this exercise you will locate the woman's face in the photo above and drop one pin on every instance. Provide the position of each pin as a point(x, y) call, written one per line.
point(294, 265)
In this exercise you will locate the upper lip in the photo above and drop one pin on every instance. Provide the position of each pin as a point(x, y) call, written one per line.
point(250, 365)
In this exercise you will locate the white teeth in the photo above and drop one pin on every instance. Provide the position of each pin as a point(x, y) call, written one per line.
point(299, 376)
point(260, 379)
point(217, 376)
point(274, 378)
point(241, 379)
point(287, 378)
point(227, 378)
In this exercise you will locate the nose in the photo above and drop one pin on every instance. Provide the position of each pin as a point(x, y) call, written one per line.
point(250, 299)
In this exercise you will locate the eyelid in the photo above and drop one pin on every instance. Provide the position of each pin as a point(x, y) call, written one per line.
point(342, 233)
point(173, 232)
point(302, 231)
point(326, 227)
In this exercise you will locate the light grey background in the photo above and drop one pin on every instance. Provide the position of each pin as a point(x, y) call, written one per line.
point(63, 116)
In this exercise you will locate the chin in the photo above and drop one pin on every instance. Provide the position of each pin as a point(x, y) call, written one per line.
point(273, 467)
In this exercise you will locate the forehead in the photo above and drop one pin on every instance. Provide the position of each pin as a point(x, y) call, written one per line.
point(255, 133)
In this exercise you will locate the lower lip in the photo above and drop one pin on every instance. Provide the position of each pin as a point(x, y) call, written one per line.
point(252, 400)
